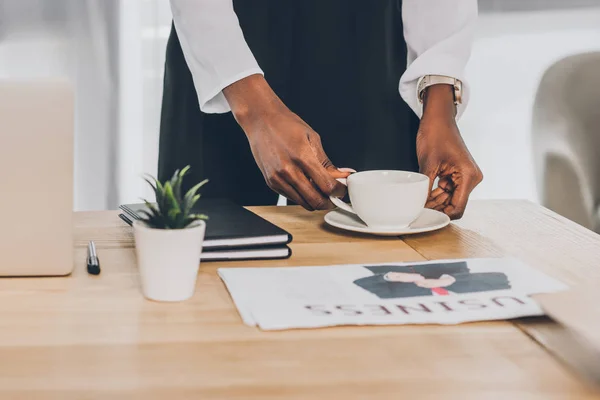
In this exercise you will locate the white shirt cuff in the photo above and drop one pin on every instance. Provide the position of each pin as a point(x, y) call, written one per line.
point(215, 102)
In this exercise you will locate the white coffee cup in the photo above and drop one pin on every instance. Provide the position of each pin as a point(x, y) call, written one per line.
point(385, 199)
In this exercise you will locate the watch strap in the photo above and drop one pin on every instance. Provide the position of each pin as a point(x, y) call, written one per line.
point(430, 80)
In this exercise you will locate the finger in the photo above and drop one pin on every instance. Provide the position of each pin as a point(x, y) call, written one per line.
point(349, 170)
point(459, 199)
point(440, 200)
point(340, 172)
point(435, 195)
point(322, 171)
point(446, 184)
point(289, 192)
point(325, 178)
point(436, 192)
point(309, 192)
point(441, 207)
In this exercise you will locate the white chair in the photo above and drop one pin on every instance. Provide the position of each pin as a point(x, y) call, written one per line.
point(566, 139)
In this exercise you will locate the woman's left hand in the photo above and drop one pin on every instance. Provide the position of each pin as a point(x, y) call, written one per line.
point(443, 154)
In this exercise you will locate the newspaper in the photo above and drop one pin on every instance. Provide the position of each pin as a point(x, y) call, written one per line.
point(433, 292)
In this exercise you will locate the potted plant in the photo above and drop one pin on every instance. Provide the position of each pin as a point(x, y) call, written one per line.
point(168, 240)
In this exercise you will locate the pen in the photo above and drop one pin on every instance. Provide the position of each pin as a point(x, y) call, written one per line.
point(93, 264)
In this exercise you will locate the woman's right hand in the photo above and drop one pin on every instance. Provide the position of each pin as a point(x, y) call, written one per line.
point(286, 149)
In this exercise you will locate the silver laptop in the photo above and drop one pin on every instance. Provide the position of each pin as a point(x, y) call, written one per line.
point(36, 178)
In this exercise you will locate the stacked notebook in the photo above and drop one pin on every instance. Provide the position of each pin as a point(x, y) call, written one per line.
point(232, 232)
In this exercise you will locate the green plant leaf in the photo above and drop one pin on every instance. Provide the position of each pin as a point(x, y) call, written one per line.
point(198, 216)
point(191, 197)
point(176, 185)
point(174, 220)
point(171, 206)
point(170, 200)
point(195, 188)
point(153, 214)
point(171, 210)
point(153, 186)
point(188, 203)
point(184, 171)
point(192, 192)
point(152, 207)
point(151, 220)
point(177, 180)
point(158, 188)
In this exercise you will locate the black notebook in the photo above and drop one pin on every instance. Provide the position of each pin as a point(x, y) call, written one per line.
point(240, 253)
point(232, 232)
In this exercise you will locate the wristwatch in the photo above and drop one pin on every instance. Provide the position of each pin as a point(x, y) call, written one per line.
point(430, 80)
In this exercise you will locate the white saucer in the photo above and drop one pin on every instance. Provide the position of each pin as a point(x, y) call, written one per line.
point(429, 220)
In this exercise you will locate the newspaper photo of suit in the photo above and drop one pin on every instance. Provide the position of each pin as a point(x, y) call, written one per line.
point(400, 281)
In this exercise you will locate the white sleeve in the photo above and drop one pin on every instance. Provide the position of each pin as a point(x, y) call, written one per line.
point(214, 48)
point(439, 35)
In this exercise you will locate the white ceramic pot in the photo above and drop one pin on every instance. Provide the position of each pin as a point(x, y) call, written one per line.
point(168, 260)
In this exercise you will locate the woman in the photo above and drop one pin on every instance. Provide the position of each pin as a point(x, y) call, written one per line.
point(313, 85)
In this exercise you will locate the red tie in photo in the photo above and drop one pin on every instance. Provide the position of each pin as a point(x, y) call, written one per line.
point(440, 291)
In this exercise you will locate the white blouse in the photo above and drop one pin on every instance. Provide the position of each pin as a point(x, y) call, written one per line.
point(438, 34)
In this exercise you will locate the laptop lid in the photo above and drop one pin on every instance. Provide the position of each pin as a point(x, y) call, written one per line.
point(36, 175)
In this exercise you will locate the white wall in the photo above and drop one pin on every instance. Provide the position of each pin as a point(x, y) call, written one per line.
point(145, 26)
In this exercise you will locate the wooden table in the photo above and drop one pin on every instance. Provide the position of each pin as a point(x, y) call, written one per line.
point(96, 337)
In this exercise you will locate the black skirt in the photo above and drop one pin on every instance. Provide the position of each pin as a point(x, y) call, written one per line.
point(335, 63)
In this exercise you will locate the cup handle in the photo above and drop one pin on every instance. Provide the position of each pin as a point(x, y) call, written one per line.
point(339, 203)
